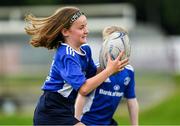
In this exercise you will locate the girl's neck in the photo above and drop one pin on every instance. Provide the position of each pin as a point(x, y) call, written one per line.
point(74, 46)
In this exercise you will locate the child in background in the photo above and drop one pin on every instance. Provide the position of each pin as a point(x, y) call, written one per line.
point(98, 107)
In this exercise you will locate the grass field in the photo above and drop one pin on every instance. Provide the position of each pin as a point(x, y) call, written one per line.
point(16, 120)
point(166, 112)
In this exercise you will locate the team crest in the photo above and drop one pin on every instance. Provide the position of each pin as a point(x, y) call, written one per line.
point(127, 80)
point(116, 87)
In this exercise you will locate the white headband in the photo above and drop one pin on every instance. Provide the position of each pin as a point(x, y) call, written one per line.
point(76, 16)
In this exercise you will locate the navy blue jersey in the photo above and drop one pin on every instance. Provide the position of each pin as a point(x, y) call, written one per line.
point(103, 101)
point(69, 70)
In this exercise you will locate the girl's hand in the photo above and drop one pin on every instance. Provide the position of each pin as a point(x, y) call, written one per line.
point(116, 65)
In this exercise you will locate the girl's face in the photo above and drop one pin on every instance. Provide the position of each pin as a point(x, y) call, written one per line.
point(78, 31)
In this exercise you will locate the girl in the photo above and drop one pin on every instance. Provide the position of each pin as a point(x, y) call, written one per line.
point(72, 68)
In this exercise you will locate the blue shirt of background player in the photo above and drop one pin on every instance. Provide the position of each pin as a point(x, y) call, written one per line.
point(69, 70)
point(103, 101)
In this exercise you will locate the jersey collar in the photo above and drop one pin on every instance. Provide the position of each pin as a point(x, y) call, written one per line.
point(82, 53)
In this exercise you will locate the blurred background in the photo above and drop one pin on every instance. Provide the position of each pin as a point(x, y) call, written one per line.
point(154, 31)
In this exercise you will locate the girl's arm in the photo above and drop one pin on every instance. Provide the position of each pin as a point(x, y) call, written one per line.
point(113, 66)
point(133, 109)
point(79, 105)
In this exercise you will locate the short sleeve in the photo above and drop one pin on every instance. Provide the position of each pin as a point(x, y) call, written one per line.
point(91, 69)
point(71, 72)
point(130, 88)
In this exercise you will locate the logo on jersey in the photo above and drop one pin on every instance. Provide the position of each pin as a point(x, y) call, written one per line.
point(127, 80)
point(111, 93)
point(116, 87)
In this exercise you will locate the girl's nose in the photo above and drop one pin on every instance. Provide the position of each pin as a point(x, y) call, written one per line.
point(86, 30)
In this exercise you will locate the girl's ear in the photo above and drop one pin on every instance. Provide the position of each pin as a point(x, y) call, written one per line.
point(65, 32)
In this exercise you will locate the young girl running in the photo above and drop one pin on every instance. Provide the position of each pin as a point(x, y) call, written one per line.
point(72, 68)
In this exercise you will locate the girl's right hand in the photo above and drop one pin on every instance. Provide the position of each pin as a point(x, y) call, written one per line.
point(116, 65)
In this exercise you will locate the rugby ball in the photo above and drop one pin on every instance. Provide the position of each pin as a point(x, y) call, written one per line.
point(113, 45)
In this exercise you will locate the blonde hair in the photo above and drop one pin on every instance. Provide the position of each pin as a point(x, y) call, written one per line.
point(46, 32)
point(110, 29)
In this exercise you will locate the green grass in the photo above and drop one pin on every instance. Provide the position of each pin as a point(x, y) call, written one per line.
point(16, 120)
point(165, 113)
point(176, 79)
point(21, 80)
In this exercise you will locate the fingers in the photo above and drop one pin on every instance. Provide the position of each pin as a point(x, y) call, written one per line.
point(125, 60)
point(123, 63)
point(120, 55)
point(117, 64)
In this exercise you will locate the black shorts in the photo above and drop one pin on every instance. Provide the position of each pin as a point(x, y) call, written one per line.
point(114, 123)
point(54, 109)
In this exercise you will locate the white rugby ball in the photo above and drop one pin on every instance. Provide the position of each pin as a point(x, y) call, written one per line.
point(113, 45)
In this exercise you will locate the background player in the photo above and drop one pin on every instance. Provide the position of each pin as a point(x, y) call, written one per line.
point(100, 105)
